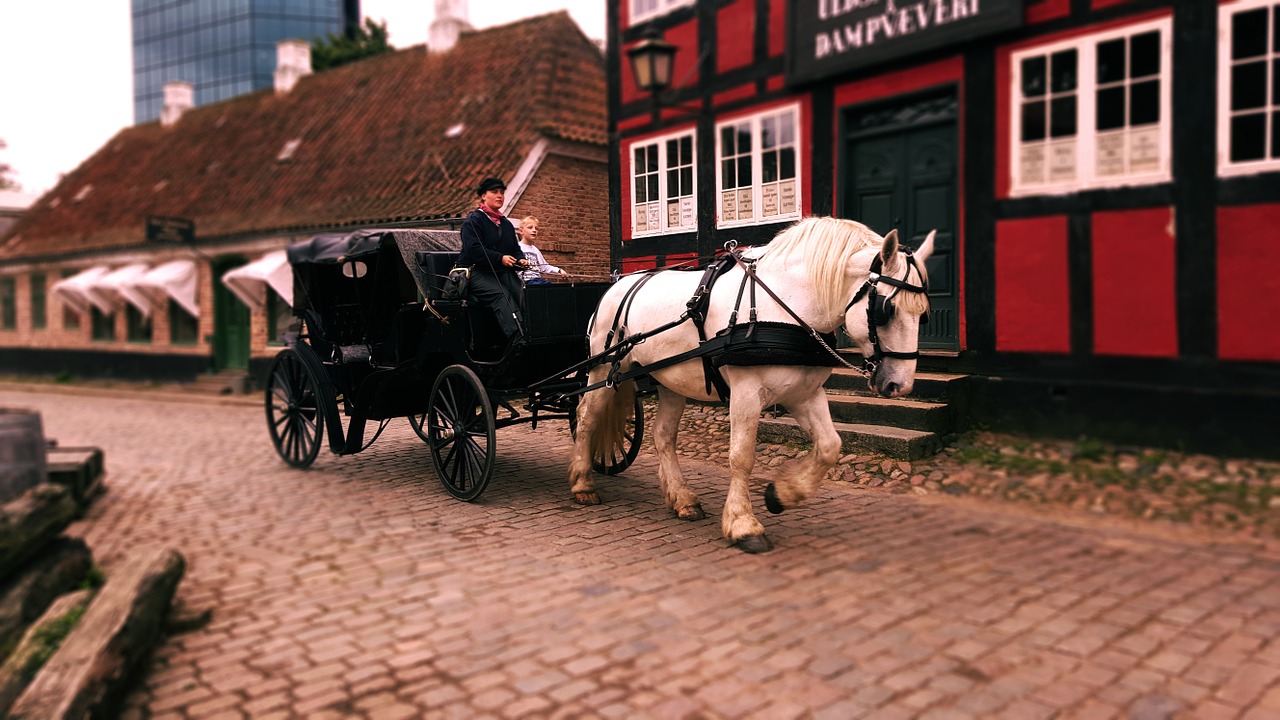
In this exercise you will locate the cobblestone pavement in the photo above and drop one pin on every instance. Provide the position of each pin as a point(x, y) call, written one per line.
point(358, 588)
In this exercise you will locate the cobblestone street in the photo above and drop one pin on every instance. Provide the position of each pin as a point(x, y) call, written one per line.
point(359, 588)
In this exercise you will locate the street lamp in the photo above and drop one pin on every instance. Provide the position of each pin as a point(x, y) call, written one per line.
point(651, 61)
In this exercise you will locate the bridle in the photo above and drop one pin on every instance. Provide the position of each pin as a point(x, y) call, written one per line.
point(880, 309)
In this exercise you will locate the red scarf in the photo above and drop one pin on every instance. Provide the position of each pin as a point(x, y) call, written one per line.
point(494, 215)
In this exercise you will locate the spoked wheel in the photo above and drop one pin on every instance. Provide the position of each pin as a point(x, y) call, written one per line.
point(418, 422)
point(460, 431)
point(625, 452)
point(293, 409)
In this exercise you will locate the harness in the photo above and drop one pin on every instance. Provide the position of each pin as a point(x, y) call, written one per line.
point(753, 343)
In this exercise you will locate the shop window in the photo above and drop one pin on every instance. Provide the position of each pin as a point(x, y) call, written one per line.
point(662, 185)
point(70, 318)
point(280, 317)
point(184, 328)
point(8, 304)
point(102, 325)
point(39, 305)
point(642, 10)
point(1093, 112)
point(1249, 87)
point(137, 327)
point(757, 173)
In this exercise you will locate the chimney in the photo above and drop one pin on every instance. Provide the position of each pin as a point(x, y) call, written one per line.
point(450, 22)
point(179, 97)
point(293, 62)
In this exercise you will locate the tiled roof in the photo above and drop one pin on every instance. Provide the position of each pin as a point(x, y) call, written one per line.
point(377, 141)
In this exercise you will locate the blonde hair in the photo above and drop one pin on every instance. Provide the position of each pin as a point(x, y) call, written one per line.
point(523, 221)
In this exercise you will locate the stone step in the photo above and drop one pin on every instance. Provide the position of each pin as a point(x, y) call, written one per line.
point(903, 413)
point(927, 386)
point(897, 443)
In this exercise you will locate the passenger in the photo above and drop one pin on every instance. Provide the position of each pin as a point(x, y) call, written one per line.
point(538, 265)
point(490, 249)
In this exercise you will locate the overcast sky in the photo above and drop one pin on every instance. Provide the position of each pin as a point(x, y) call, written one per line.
point(66, 70)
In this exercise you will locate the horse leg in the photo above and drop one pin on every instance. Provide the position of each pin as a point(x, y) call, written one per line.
point(666, 424)
point(582, 482)
point(738, 523)
point(801, 480)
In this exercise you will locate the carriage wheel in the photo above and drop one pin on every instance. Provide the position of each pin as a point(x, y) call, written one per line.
point(460, 430)
point(293, 409)
point(632, 438)
point(418, 422)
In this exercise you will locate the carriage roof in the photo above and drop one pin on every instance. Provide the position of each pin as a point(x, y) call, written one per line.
point(335, 249)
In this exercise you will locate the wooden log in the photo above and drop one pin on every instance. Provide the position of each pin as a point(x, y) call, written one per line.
point(23, 597)
point(80, 470)
point(87, 674)
point(38, 644)
point(32, 521)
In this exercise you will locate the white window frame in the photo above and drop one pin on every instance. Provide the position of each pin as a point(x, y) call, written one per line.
point(1227, 168)
point(687, 207)
point(638, 15)
point(757, 167)
point(1086, 149)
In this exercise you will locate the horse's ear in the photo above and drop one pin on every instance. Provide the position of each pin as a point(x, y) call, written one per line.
point(926, 247)
point(890, 247)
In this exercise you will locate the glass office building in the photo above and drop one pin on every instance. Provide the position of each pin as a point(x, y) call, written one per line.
point(222, 47)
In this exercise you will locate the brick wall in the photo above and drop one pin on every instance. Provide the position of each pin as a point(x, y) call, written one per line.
point(570, 198)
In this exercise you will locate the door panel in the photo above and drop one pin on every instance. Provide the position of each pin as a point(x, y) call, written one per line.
point(230, 322)
point(902, 172)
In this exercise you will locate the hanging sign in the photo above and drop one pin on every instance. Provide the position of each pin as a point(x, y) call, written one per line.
point(170, 230)
point(828, 37)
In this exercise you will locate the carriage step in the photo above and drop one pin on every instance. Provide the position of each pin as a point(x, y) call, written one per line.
point(928, 385)
point(897, 443)
point(904, 413)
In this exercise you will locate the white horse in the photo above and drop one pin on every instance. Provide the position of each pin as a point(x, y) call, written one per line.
point(815, 267)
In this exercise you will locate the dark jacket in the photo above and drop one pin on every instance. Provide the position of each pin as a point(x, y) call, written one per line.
point(481, 238)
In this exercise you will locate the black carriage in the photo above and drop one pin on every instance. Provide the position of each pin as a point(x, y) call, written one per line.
point(378, 340)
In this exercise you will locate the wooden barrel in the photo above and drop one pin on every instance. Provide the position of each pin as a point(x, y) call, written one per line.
point(22, 452)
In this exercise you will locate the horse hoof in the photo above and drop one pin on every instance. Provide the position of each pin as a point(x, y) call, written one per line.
point(754, 544)
point(586, 498)
point(771, 500)
point(691, 512)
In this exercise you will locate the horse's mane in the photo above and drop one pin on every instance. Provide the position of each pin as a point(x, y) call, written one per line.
point(825, 244)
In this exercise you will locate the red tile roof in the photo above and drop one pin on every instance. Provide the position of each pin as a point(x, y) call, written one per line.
point(372, 145)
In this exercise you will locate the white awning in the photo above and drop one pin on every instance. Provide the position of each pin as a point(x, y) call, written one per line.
point(107, 292)
point(249, 282)
point(74, 291)
point(176, 279)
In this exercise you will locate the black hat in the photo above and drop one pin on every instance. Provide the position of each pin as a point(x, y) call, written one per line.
point(490, 183)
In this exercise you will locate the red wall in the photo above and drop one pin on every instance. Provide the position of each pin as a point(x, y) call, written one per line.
point(735, 35)
point(777, 27)
point(1248, 282)
point(1032, 286)
point(1134, 291)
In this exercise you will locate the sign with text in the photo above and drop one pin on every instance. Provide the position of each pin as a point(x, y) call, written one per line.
point(172, 230)
point(828, 37)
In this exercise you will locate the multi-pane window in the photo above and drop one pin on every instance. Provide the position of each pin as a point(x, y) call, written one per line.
point(8, 304)
point(642, 10)
point(137, 327)
point(757, 173)
point(39, 305)
point(663, 185)
point(184, 328)
point(70, 318)
point(1093, 112)
point(102, 325)
point(1249, 87)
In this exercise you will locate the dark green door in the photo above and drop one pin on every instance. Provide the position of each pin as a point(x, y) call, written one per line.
point(901, 171)
point(230, 321)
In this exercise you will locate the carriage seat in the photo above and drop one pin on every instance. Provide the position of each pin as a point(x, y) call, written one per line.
point(435, 266)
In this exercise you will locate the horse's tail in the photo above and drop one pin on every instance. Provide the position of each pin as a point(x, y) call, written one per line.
point(609, 440)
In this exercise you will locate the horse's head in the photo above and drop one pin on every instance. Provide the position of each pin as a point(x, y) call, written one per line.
point(891, 303)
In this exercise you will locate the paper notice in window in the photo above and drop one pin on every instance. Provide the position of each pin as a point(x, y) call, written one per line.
point(654, 218)
point(1062, 160)
point(729, 205)
point(673, 213)
point(1031, 165)
point(1144, 150)
point(787, 200)
point(686, 212)
point(642, 219)
point(744, 204)
point(1111, 153)
point(769, 200)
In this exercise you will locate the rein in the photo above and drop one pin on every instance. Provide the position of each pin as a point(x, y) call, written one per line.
point(868, 290)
